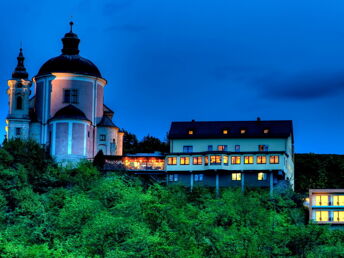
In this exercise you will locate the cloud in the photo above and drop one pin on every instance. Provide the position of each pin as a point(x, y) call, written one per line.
point(126, 27)
point(270, 83)
point(308, 85)
point(235, 72)
point(115, 6)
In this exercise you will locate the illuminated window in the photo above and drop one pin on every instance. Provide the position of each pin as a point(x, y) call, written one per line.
point(197, 160)
point(266, 131)
point(198, 177)
point(225, 160)
point(243, 131)
point(338, 216)
point(321, 216)
point(236, 176)
point(261, 159)
point(248, 159)
point(18, 131)
point(338, 200)
point(191, 132)
point(19, 103)
point(103, 137)
point(222, 147)
point(172, 161)
point(210, 147)
point(263, 148)
point(274, 159)
point(184, 161)
point(215, 160)
point(262, 176)
point(236, 160)
point(173, 178)
point(225, 131)
point(187, 148)
point(206, 160)
point(237, 148)
point(321, 200)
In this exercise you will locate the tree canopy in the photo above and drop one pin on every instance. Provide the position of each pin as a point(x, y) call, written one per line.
point(52, 211)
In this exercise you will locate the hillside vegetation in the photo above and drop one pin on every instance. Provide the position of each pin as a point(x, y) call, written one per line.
point(318, 171)
point(49, 211)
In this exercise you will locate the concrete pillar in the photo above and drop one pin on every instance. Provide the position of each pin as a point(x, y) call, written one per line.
point(85, 139)
point(217, 185)
point(53, 140)
point(271, 183)
point(242, 181)
point(191, 181)
point(70, 130)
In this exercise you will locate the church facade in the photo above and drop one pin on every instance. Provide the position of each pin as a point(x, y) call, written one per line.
point(66, 113)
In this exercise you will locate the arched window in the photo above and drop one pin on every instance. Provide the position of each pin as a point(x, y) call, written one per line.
point(19, 103)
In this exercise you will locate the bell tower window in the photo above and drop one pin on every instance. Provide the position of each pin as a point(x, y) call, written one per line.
point(19, 103)
point(70, 96)
point(18, 131)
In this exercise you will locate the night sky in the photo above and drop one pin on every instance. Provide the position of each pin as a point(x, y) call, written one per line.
point(177, 60)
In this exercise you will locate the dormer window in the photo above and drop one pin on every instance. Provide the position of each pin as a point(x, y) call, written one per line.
point(243, 131)
point(225, 131)
point(191, 132)
point(266, 131)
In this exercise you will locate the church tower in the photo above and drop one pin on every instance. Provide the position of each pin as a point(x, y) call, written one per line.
point(18, 120)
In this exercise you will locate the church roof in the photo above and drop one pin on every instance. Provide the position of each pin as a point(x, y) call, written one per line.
point(69, 61)
point(106, 122)
point(70, 112)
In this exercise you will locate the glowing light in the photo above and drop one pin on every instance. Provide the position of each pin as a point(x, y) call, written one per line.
point(338, 200)
point(321, 200)
point(338, 216)
point(236, 176)
point(321, 215)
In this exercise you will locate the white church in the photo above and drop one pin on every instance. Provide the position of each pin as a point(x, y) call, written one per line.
point(66, 113)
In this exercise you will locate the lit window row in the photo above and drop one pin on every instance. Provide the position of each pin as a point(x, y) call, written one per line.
point(228, 131)
point(325, 200)
point(189, 148)
point(196, 177)
point(218, 159)
point(335, 216)
point(235, 177)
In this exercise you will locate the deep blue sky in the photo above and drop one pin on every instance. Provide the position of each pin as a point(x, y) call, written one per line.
point(176, 60)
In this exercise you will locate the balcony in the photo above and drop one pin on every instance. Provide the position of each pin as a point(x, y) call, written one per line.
point(223, 161)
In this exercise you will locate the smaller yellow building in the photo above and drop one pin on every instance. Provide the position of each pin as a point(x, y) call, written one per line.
point(326, 206)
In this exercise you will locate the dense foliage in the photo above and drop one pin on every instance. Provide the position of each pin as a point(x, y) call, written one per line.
point(148, 144)
point(315, 171)
point(49, 211)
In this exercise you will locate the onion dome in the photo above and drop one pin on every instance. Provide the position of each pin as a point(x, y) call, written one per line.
point(20, 71)
point(69, 61)
point(69, 112)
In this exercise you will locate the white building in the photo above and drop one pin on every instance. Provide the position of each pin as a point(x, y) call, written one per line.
point(231, 153)
point(66, 113)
